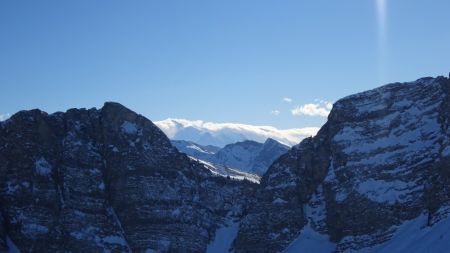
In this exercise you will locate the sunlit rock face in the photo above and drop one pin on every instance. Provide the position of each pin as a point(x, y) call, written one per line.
point(381, 159)
point(105, 180)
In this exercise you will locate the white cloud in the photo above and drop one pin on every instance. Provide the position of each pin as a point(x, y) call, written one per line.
point(325, 103)
point(321, 108)
point(4, 116)
point(275, 112)
point(221, 134)
point(288, 100)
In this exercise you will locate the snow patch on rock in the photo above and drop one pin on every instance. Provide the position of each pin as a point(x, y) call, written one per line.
point(390, 192)
point(12, 248)
point(446, 151)
point(42, 167)
point(224, 171)
point(129, 128)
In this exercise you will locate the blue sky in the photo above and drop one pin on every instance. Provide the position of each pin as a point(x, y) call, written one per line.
point(220, 61)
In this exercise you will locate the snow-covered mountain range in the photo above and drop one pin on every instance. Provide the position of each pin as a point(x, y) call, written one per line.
point(375, 178)
point(246, 156)
point(221, 134)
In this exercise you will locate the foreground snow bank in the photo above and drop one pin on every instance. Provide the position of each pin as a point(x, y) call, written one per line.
point(413, 236)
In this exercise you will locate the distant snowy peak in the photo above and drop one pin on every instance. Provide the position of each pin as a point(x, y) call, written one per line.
point(195, 150)
point(247, 156)
point(251, 156)
point(221, 134)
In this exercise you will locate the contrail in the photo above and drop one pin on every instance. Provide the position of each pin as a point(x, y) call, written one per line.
point(382, 38)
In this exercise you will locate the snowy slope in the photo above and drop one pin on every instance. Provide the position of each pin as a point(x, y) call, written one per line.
point(224, 171)
point(311, 241)
point(221, 134)
point(224, 237)
point(195, 150)
point(413, 236)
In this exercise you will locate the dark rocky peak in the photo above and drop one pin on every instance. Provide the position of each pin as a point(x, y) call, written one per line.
point(32, 114)
point(271, 141)
point(120, 118)
point(273, 147)
point(91, 180)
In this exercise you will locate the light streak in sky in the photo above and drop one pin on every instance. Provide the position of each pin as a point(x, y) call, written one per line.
point(381, 7)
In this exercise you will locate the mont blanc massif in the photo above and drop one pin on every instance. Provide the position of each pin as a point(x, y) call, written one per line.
point(375, 178)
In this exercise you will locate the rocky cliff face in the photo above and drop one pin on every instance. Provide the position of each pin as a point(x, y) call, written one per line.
point(382, 158)
point(105, 180)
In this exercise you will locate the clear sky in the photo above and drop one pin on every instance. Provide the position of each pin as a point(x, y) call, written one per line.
point(220, 61)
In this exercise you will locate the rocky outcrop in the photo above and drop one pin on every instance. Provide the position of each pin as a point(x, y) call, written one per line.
point(380, 160)
point(3, 246)
point(105, 180)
